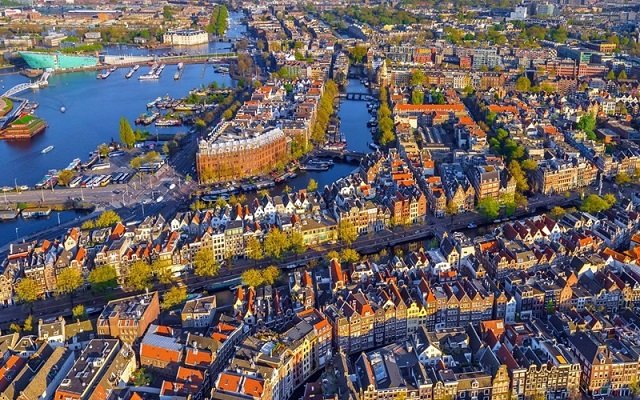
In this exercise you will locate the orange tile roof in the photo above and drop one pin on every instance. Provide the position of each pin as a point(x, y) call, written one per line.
point(253, 387)
point(198, 358)
point(427, 108)
point(496, 108)
point(159, 353)
point(190, 375)
point(229, 383)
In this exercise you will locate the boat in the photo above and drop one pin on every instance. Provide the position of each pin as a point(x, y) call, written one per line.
point(374, 146)
point(153, 103)
point(371, 122)
point(132, 71)
point(168, 122)
point(73, 164)
point(147, 118)
point(46, 149)
point(148, 77)
point(180, 66)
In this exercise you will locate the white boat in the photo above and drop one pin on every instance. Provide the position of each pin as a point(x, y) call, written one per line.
point(73, 164)
point(46, 149)
point(180, 65)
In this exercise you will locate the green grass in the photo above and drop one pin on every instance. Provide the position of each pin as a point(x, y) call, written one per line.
point(8, 106)
point(24, 119)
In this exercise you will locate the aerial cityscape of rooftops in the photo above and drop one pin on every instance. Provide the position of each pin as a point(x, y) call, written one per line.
point(320, 199)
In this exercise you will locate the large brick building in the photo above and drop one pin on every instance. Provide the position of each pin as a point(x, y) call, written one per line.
point(236, 156)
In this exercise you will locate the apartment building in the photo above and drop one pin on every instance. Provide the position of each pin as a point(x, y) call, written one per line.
point(128, 318)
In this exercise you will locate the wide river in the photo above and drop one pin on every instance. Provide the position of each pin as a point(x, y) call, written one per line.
point(93, 108)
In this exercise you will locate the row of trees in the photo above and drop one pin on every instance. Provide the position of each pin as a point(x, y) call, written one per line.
point(256, 278)
point(386, 133)
point(139, 276)
point(325, 111)
point(106, 219)
point(218, 23)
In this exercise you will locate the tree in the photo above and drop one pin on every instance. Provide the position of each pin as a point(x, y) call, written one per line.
point(587, 124)
point(254, 249)
point(103, 278)
point(611, 75)
point(333, 255)
point(204, 264)
point(78, 312)
point(173, 297)
point(594, 204)
point(296, 243)
point(107, 218)
point(27, 326)
point(349, 255)
point(523, 84)
point(88, 225)
point(139, 276)
point(451, 208)
point(15, 327)
point(126, 133)
point(103, 150)
point(271, 274)
point(622, 75)
point(557, 212)
point(252, 277)
point(162, 271)
point(521, 179)
point(623, 179)
point(347, 232)
point(417, 97)
point(65, 177)
point(69, 280)
point(312, 186)
point(140, 377)
point(417, 77)
point(27, 290)
point(489, 207)
point(529, 165)
point(358, 53)
point(275, 243)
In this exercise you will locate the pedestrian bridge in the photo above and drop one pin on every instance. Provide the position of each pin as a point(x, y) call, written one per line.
point(357, 96)
point(43, 81)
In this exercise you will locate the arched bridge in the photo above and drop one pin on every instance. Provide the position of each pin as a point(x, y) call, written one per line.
point(43, 81)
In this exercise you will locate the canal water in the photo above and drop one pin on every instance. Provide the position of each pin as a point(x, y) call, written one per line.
point(353, 124)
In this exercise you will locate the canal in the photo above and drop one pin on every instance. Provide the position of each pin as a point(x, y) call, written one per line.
point(353, 124)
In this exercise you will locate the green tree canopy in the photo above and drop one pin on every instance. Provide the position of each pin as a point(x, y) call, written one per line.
point(587, 124)
point(312, 186)
point(523, 84)
point(204, 264)
point(489, 207)
point(347, 232)
point(139, 276)
point(69, 280)
point(103, 277)
point(107, 218)
point(594, 204)
point(254, 249)
point(27, 290)
point(127, 136)
point(349, 255)
point(78, 312)
point(417, 97)
point(296, 243)
point(65, 177)
point(276, 243)
point(173, 297)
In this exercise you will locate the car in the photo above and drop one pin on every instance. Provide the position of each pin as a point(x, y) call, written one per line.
point(172, 186)
point(159, 199)
point(472, 225)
